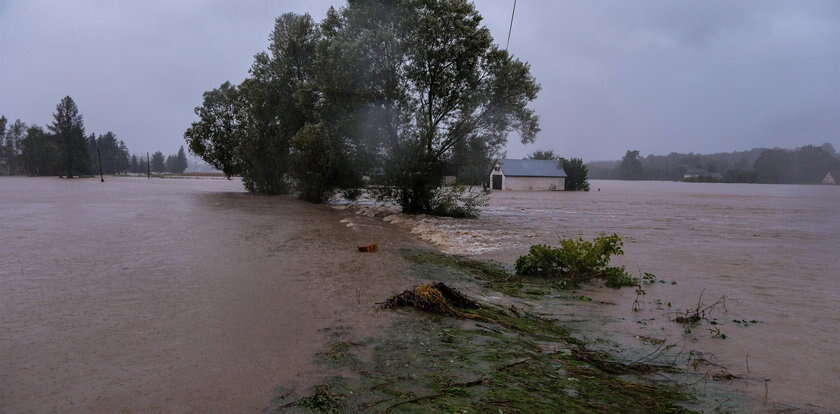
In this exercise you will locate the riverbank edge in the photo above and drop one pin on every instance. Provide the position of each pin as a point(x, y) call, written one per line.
point(529, 363)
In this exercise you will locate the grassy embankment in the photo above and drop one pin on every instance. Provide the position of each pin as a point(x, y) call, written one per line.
point(493, 359)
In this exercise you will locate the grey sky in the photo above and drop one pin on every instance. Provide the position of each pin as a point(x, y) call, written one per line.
point(658, 76)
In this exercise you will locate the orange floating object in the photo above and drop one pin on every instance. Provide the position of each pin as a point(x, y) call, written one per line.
point(371, 248)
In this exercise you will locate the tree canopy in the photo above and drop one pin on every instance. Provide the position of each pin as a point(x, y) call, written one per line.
point(177, 163)
point(158, 162)
point(544, 155)
point(113, 153)
point(576, 174)
point(631, 166)
point(379, 92)
point(69, 128)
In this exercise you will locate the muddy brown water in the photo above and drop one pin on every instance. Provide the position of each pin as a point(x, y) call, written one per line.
point(772, 250)
point(192, 296)
point(174, 295)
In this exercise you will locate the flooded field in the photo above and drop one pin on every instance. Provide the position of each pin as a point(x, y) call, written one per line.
point(771, 250)
point(192, 296)
point(173, 295)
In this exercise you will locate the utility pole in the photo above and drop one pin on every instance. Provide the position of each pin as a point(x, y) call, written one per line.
point(99, 157)
point(148, 167)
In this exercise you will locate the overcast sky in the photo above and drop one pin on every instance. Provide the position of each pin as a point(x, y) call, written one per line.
point(657, 76)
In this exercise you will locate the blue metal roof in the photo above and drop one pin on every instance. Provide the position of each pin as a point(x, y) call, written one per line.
point(532, 168)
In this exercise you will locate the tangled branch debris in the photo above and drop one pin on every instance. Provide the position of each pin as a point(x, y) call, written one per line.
point(435, 298)
point(699, 312)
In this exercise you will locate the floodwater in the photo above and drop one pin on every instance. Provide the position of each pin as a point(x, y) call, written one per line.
point(139, 295)
point(772, 250)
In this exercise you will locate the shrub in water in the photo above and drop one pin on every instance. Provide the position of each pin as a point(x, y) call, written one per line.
point(458, 201)
point(577, 261)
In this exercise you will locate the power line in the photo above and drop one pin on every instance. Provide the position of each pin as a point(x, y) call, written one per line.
point(510, 29)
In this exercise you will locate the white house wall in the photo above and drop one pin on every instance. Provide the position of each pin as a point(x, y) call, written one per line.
point(533, 183)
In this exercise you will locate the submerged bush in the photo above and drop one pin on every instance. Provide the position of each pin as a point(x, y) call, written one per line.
point(577, 261)
point(457, 201)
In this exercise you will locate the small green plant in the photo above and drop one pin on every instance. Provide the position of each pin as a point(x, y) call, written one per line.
point(578, 261)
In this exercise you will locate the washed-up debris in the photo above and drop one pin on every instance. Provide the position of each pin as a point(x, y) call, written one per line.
point(724, 375)
point(322, 400)
point(371, 248)
point(700, 312)
point(435, 298)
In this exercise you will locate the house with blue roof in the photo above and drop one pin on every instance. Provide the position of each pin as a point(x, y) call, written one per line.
point(528, 175)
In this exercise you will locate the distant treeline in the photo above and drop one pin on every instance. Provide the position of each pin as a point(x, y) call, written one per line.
point(175, 164)
point(803, 165)
point(64, 149)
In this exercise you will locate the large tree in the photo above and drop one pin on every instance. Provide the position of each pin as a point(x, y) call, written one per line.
point(576, 174)
point(181, 163)
point(41, 152)
point(69, 129)
point(177, 163)
point(473, 161)
point(443, 81)
point(631, 166)
point(217, 134)
point(283, 124)
point(384, 89)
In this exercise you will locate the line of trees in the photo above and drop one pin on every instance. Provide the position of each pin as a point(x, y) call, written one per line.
point(63, 149)
point(60, 149)
point(380, 94)
point(175, 163)
point(577, 173)
point(803, 165)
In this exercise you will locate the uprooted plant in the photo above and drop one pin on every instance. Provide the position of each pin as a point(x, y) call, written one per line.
point(578, 261)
